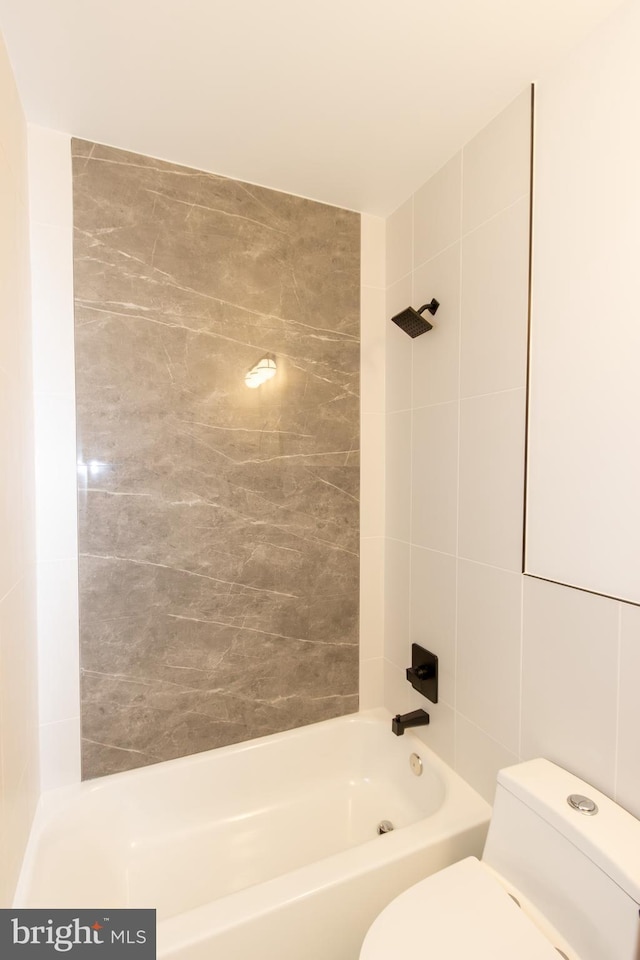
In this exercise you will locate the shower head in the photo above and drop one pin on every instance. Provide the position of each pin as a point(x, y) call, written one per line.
point(412, 321)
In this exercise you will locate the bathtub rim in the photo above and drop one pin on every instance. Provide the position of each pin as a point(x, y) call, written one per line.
point(461, 808)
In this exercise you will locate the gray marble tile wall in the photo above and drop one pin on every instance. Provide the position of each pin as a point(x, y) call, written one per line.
point(218, 525)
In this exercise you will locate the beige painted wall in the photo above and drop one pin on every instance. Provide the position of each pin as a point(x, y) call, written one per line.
point(19, 781)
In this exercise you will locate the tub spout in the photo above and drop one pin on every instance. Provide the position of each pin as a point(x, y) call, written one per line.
point(417, 718)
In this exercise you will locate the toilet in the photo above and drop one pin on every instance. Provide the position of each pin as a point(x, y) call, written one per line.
point(559, 877)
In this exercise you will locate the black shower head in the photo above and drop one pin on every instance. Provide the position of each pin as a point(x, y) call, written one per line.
point(412, 321)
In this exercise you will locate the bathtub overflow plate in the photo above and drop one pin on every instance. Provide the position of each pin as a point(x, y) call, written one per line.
point(416, 764)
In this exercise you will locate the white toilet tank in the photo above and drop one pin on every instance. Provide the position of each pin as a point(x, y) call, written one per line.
point(580, 869)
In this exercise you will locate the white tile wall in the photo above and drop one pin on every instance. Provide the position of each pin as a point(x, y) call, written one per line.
point(372, 474)
point(398, 349)
point(496, 164)
point(433, 613)
point(372, 350)
point(372, 252)
point(55, 465)
point(372, 597)
point(60, 756)
point(435, 356)
point(478, 757)
point(371, 683)
point(628, 763)
point(398, 475)
point(56, 471)
point(436, 212)
point(495, 303)
point(570, 680)
point(488, 662)
point(58, 660)
point(435, 477)
point(491, 478)
point(397, 614)
point(53, 369)
point(19, 774)
point(399, 243)
point(556, 675)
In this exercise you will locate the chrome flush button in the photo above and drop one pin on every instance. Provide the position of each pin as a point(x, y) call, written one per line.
point(582, 804)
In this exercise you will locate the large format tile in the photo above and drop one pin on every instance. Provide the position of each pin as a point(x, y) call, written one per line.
point(433, 612)
point(436, 353)
point(479, 758)
point(439, 733)
point(570, 679)
point(372, 356)
point(398, 348)
point(396, 690)
point(497, 164)
point(628, 758)
point(371, 690)
point(56, 471)
point(435, 477)
point(492, 436)
point(58, 641)
point(20, 801)
point(436, 211)
point(372, 598)
point(372, 473)
point(60, 754)
point(372, 251)
point(488, 650)
point(398, 475)
point(18, 685)
point(397, 592)
point(218, 526)
point(50, 163)
point(399, 243)
point(52, 308)
point(495, 303)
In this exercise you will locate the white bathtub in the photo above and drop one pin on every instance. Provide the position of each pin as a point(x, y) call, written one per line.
point(267, 850)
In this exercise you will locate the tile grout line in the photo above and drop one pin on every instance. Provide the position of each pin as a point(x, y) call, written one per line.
point(475, 396)
point(469, 233)
point(484, 733)
point(494, 216)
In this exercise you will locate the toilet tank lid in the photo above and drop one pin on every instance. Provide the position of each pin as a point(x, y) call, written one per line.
point(610, 838)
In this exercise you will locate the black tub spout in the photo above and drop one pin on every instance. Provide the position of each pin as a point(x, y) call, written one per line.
point(417, 718)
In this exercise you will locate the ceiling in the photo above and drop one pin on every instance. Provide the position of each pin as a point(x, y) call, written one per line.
point(352, 102)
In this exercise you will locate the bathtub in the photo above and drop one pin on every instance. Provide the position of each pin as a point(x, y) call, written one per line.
point(266, 850)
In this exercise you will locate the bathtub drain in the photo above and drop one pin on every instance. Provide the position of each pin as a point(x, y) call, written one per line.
point(385, 826)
